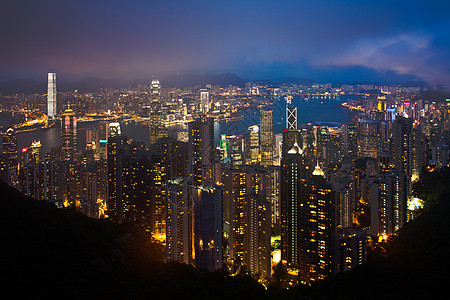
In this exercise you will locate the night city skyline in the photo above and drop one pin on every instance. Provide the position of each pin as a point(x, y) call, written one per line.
point(225, 149)
point(325, 41)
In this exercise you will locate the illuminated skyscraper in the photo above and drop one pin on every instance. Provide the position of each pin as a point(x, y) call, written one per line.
point(291, 187)
point(317, 229)
point(51, 96)
point(201, 150)
point(68, 135)
point(257, 215)
point(204, 101)
point(267, 137)
point(116, 165)
point(291, 117)
point(113, 129)
point(388, 201)
point(252, 151)
point(350, 134)
point(250, 219)
point(368, 138)
point(179, 220)
point(36, 150)
point(10, 153)
point(156, 130)
point(236, 152)
point(403, 148)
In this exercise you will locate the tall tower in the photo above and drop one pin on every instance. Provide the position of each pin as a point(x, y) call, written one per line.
point(51, 96)
point(201, 150)
point(179, 220)
point(403, 148)
point(204, 101)
point(267, 137)
point(318, 228)
point(351, 141)
point(292, 186)
point(253, 145)
point(68, 135)
point(116, 150)
point(291, 115)
point(11, 155)
point(155, 111)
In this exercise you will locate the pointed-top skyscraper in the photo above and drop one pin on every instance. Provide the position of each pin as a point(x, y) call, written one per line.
point(155, 111)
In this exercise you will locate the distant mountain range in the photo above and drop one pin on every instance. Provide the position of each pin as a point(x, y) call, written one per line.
point(91, 84)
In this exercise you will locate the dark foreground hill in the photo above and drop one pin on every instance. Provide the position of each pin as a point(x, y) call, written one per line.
point(52, 252)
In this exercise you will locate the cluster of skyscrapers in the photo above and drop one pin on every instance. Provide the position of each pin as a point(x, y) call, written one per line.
point(322, 189)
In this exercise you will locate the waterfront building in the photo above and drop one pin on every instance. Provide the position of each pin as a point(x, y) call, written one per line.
point(10, 154)
point(155, 114)
point(68, 135)
point(51, 96)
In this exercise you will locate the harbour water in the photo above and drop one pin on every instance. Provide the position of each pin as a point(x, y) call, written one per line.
point(310, 111)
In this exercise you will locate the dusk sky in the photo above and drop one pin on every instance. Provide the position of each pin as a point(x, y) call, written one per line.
point(321, 40)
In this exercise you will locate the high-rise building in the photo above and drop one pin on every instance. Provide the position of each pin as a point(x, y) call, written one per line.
point(179, 220)
point(236, 151)
point(277, 148)
point(208, 224)
point(293, 175)
point(252, 150)
point(204, 101)
point(308, 222)
point(257, 215)
point(116, 151)
point(368, 138)
point(388, 201)
point(36, 151)
point(201, 150)
point(350, 140)
point(317, 229)
point(351, 249)
point(291, 117)
point(267, 137)
point(10, 153)
point(158, 178)
point(249, 213)
point(68, 135)
point(155, 114)
point(290, 137)
point(403, 148)
point(51, 96)
point(241, 182)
